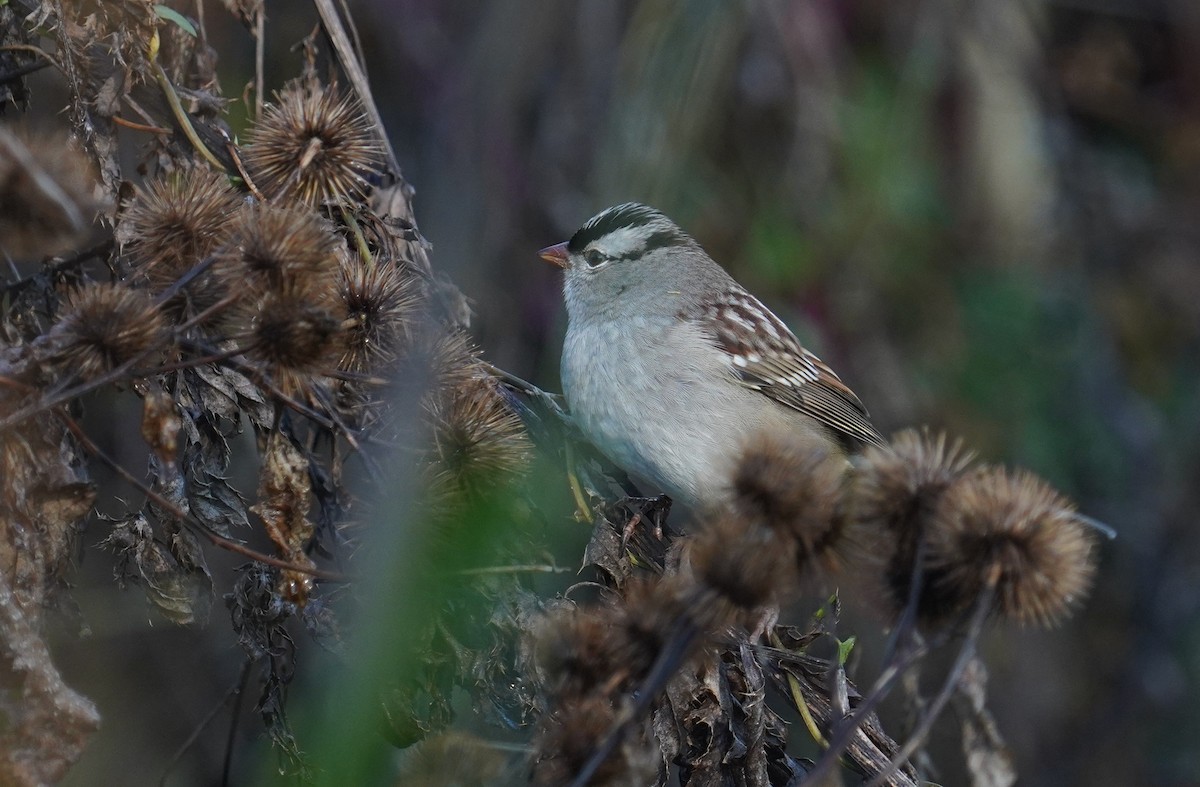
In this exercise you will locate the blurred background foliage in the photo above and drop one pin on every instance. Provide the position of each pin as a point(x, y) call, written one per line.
point(984, 215)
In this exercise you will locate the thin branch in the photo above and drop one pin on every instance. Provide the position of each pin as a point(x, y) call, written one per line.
point(983, 606)
point(216, 538)
point(62, 265)
point(332, 22)
point(182, 117)
point(677, 646)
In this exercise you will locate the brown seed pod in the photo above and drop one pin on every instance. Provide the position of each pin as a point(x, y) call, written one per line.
point(568, 738)
point(784, 484)
point(1017, 533)
point(894, 493)
point(175, 221)
point(453, 757)
point(579, 653)
point(381, 303)
point(295, 335)
point(313, 145)
point(896, 487)
point(173, 225)
point(739, 562)
point(479, 442)
point(101, 327)
point(274, 249)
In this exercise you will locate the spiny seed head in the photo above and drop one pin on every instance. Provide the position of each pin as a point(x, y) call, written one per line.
point(102, 326)
point(894, 493)
point(649, 615)
point(381, 303)
point(786, 485)
point(896, 486)
point(479, 441)
point(568, 738)
point(577, 652)
point(1013, 531)
point(741, 562)
point(452, 758)
point(47, 194)
point(175, 221)
point(313, 145)
point(296, 335)
point(275, 248)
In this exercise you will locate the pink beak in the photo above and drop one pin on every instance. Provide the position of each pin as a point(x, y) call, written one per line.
point(556, 255)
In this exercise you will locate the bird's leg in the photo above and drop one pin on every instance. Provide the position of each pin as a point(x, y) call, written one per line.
point(652, 509)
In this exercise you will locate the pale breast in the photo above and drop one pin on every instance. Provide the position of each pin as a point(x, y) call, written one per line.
point(659, 413)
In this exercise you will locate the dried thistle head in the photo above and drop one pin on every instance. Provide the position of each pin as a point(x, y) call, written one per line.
point(294, 332)
point(101, 327)
point(275, 249)
point(174, 224)
point(782, 483)
point(896, 487)
point(453, 757)
point(175, 221)
point(739, 565)
point(381, 303)
point(570, 735)
point(313, 145)
point(47, 194)
point(479, 442)
point(894, 493)
point(1015, 532)
point(577, 653)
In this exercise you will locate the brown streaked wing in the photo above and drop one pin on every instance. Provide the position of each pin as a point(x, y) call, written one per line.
point(767, 357)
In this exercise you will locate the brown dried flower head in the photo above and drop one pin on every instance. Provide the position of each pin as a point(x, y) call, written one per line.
point(894, 493)
point(102, 326)
point(313, 145)
point(175, 221)
point(479, 442)
point(739, 563)
point(784, 484)
point(1017, 533)
point(381, 302)
point(294, 333)
point(896, 487)
point(47, 194)
point(578, 652)
point(276, 249)
point(569, 736)
point(453, 757)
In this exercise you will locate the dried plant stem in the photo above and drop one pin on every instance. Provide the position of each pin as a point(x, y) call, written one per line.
point(678, 644)
point(260, 33)
point(908, 618)
point(529, 568)
point(216, 538)
point(983, 606)
point(360, 242)
point(181, 116)
point(52, 401)
point(129, 124)
point(48, 60)
point(844, 731)
point(798, 700)
point(336, 30)
point(233, 693)
point(60, 266)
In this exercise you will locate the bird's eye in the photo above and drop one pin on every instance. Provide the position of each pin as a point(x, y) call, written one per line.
point(593, 257)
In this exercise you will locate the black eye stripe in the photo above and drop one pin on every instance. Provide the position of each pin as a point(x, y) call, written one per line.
point(659, 240)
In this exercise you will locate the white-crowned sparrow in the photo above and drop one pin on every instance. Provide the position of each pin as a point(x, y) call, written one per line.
point(669, 366)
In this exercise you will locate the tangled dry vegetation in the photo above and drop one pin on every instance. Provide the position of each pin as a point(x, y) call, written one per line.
point(274, 281)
